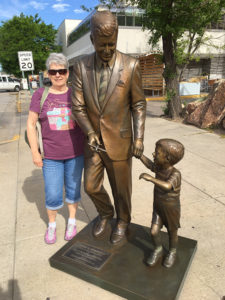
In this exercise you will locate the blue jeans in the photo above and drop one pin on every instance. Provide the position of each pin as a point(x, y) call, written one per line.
point(58, 173)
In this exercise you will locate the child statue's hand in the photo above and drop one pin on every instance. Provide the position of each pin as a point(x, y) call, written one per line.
point(144, 176)
point(147, 177)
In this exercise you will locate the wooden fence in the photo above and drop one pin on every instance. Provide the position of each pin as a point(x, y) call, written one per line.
point(151, 71)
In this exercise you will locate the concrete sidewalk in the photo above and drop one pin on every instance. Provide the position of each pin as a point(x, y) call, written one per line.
point(25, 270)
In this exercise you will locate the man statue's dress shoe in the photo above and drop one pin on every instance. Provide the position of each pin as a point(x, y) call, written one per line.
point(119, 232)
point(100, 226)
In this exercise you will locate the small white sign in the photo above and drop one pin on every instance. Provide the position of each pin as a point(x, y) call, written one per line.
point(24, 84)
point(26, 60)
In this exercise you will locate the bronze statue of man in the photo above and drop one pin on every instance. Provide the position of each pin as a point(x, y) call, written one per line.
point(110, 107)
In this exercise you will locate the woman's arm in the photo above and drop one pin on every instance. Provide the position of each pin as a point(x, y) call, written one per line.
point(32, 137)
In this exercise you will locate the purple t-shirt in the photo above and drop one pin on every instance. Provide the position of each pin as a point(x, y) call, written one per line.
point(62, 137)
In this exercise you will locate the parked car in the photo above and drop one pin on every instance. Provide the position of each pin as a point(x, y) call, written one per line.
point(9, 84)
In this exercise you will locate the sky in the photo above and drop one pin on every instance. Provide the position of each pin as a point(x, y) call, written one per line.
point(50, 11)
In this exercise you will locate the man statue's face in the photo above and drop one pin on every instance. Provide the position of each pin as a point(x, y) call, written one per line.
point(105, 46)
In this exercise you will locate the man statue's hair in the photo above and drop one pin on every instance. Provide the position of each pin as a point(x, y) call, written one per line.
point(103, 23)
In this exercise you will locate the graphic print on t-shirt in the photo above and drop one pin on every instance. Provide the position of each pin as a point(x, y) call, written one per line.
point(59, 118)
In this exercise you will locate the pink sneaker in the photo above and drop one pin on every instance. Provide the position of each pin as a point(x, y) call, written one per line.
point(71, 231)
point(50, 235)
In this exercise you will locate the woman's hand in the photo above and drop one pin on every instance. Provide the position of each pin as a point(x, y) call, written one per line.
point(32, 137)
point(37, 159)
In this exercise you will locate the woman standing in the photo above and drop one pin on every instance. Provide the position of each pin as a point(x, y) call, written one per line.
point(63, 146)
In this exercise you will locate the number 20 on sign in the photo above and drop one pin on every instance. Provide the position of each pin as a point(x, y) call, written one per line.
point(26, 60)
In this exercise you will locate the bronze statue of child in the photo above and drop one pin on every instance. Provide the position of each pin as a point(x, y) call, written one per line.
point(166, 206)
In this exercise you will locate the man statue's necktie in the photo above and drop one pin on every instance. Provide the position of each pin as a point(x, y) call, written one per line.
point(103, 84)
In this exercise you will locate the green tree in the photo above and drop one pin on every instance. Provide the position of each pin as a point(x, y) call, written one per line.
point(26, 33)
point(181, 24)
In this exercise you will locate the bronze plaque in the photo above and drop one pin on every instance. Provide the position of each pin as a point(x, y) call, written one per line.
point(87, 255)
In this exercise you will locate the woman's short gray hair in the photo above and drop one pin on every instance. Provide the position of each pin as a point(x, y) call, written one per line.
point(58, 59)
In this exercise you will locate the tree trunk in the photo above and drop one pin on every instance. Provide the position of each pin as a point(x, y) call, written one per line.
point(180, 76)
point(171, 78)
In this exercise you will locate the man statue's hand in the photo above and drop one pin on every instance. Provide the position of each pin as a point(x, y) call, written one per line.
point(138, 148)
point(93, 140)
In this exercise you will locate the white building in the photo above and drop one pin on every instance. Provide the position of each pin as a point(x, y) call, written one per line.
point(74, 37)
point(64, 30)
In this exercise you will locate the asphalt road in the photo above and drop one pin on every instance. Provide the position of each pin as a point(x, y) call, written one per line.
point(9, 117)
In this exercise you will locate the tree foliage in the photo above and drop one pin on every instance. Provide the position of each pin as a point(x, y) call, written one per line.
point(26, 33)
point(181, 25)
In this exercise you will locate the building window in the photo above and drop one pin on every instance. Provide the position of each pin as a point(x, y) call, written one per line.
point(129, 16)
point(121, 20)
point(79, 32)
point(129, 20)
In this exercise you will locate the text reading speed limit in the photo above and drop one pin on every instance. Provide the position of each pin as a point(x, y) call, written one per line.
point(26, 60)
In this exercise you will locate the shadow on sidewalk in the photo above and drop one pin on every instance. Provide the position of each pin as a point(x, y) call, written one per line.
point(13, 291)
point(33, 188)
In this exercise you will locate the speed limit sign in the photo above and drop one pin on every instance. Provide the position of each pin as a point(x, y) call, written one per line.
point(26, 60)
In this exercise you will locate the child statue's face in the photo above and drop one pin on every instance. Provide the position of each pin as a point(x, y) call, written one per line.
point(160, 157)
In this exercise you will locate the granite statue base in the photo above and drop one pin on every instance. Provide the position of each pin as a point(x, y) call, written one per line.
point(121, 269)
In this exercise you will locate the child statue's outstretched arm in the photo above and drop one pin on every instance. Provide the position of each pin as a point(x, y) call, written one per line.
point(165, 185)
point(147, 162)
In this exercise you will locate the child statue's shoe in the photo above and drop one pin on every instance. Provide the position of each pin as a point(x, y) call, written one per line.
point(154, 257)
point(170, 258)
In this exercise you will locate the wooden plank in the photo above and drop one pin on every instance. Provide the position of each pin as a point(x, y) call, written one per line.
point(151, 71)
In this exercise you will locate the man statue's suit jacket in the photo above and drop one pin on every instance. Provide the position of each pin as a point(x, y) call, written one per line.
point(122, 116)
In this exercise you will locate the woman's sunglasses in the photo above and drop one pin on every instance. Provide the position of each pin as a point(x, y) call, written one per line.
point(60, 71)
